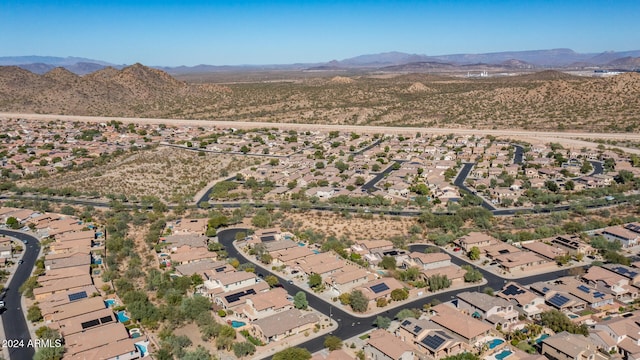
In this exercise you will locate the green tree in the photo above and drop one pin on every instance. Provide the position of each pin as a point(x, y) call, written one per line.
point(262, 219)
point(13, 223)
point(472, 275)
point(345, 298)
point(200, 353)
point(438, 282)
point(616, 258)
point(407, 313)
point(399, 294)
point(586, 167)
point(194, 307)
point(292, 353)
point(474, 253)
point(34, 314)
point(388, 263)
point(315, 281)
point(382, 322)
point(27, 287)
point(332, 343)
point(463, 356)
point(358, 302)
point(300, 300)
point(266, 258)
point(243, 349)
point(49, 353)
point(570, 185)
point(558, 322)
point(271, 280)
point(551, 185)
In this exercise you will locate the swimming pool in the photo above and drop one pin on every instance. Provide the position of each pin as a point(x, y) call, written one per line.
point(142, 348)
point(110, 302)
point(495, 343)
point(236, 324)
point(544, 336)
point(315, 251)
point(503, 354)
point(122, 316)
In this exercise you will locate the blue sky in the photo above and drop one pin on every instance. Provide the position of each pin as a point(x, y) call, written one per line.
point(192, 32)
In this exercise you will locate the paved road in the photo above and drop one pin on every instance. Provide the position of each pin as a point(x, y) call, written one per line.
point(349, 325)
point(372, 183)
point(375, 143)
point(597, 167)
point(459, 182)
point(13, 321)
point(518, 155)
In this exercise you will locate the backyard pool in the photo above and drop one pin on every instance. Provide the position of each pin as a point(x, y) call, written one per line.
point(122, 316)
point(544, 336)
point(135, 333)
point(110, 302)
point(503, 354)
point(495, 343)
point(142, 348)
point(236, 324)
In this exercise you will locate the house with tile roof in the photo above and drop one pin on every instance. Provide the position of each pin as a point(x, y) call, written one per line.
point(382, 345)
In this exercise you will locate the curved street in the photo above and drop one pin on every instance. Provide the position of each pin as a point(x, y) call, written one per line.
point(13, 319)
point(350, 325)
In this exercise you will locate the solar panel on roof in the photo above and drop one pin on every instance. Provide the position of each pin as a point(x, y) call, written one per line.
point(106, 319)
point(512, 290)
point(633, 227)
point(379, 288)
point(598, 294)
point(417, 329)
point(220, 269)
point(558, 300)
point(77, 296)
point(89, 324)
point(267, 238)
point(405, 323)
point(235, 297)
point(545, 289)
point(584, 288)
point(433, 341)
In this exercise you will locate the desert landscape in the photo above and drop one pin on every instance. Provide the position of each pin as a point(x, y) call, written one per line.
point(545, 100)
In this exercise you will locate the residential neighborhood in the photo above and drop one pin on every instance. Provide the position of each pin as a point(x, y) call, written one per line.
point(233, 272)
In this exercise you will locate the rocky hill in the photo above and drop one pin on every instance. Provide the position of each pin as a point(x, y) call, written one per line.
point(543, 100)
point(136, 90)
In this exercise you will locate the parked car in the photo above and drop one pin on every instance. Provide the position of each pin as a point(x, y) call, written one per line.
point(456, 249)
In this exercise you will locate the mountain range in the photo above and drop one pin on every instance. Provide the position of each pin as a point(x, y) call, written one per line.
point(533, 100)
point(388, 61)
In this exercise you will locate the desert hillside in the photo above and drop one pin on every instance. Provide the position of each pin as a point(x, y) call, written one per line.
point(547, 100)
